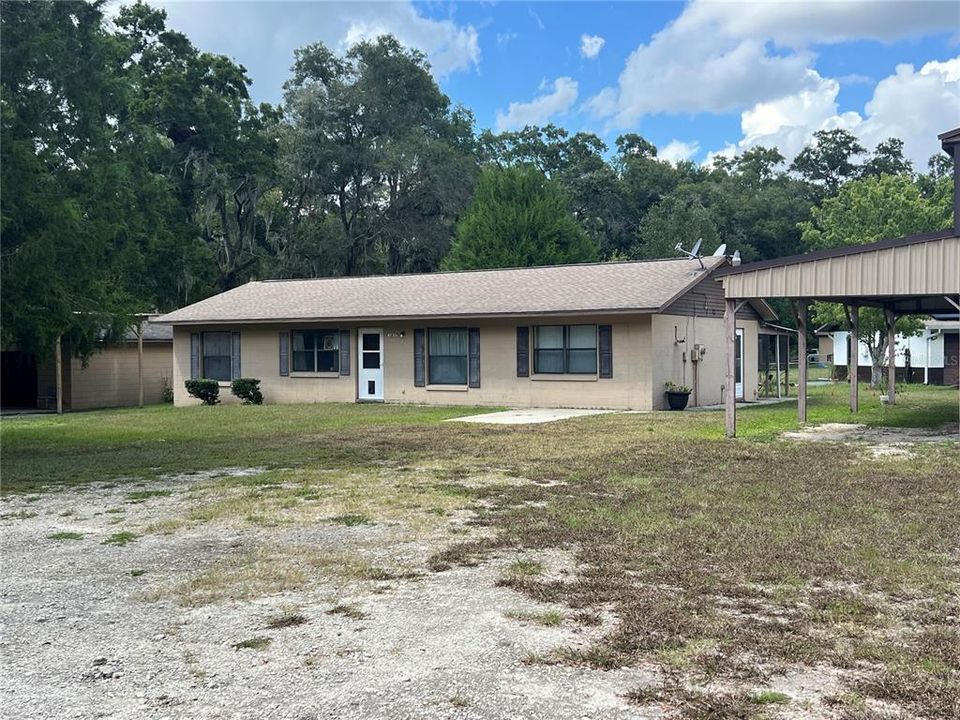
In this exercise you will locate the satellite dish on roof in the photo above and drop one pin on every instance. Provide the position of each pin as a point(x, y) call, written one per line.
point(720, 251)
point(694, 254)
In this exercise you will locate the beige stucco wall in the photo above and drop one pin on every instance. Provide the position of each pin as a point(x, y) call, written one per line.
point(707, 376)
point(629, 388)
point(644, 358)
point(260, 358)
point(110, 377)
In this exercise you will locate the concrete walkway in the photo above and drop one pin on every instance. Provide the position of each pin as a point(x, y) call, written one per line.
point(527, 416)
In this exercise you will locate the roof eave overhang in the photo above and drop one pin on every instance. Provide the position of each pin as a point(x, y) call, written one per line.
point(374, 319)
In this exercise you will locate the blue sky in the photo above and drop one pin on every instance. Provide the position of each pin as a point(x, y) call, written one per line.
point(695, 78)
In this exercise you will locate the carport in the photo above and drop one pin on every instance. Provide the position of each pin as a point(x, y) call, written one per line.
point(913, 275)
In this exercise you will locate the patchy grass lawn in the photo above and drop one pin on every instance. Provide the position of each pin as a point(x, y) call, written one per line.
point(721, 563)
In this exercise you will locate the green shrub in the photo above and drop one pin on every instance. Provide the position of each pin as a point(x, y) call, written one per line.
point(204, 389)
point(166, 390)
point(248, 390)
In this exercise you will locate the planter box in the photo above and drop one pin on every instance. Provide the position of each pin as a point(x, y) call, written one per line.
point(678, 400)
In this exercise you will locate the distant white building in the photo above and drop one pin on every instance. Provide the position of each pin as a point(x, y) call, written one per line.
point(927, 352)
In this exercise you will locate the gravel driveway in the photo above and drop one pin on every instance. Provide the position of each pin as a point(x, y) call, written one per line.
point(97, 630)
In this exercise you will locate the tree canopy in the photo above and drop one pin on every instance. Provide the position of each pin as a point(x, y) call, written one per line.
point(518, 218)
point(145, 178)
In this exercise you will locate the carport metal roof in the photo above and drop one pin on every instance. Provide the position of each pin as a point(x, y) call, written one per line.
point(913, 275)
point(917, 274)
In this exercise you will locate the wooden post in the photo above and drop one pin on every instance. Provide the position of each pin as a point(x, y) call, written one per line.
point(730, 383)
point(59, 363)
point(853, 364)
point(892, 357)
point(140, 362)
point(779, 395)
point(800, 309)
point(786, 371)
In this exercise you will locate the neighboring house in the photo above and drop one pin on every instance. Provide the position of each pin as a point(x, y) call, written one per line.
point(824, 335)
point(607, 335)
point(932, 355)
point(109, 379)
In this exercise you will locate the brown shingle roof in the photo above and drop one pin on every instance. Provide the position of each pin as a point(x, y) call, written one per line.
point(614, 287)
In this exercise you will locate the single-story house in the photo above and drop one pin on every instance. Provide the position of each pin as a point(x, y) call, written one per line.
point(604, 335)
point(110, 377)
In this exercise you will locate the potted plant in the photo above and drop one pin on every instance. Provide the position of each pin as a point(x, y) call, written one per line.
point(677, 396)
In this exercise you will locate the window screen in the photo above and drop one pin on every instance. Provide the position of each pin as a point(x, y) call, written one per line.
point(565, 349)
point(316, 351)
point(216, 355)
point(448, 356)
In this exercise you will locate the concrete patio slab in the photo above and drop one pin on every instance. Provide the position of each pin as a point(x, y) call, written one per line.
point(527, 416)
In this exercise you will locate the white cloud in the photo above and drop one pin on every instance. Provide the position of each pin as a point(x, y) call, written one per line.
point(591, 45)
point(722, 56)
point(448, 46)
point(677, 150)
point(728, 151)
point(911, 104)
point(505, 38)
point(795, 23)
point(539, 110)
point(536, 18)
point(263, 35)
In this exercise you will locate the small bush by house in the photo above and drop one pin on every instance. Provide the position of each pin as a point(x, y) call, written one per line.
point(248, 390)
point(166, 390)
point(205, 390)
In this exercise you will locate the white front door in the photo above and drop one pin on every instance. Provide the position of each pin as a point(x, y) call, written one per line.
point(370, 364)
point(738, 365)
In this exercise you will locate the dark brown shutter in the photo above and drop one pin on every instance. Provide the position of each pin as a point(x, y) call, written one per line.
point(234, 356)
point(605, 349)
point(194, 356)
point(344, 352)
point(419, 366)
point(284, 353)
point(523, 352)
point(473, 360)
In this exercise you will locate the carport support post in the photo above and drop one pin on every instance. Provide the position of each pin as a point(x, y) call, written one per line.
point(853, 364)
point(58, 352)
point(800, 309)
point(892, 357)
point(779, 380)
point(730, 382)
point(140, 363)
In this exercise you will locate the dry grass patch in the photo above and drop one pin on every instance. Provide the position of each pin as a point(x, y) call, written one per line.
point(408, 497)
point(347, 610)
point(548, 618)
point(290, 617)
point(267, 571)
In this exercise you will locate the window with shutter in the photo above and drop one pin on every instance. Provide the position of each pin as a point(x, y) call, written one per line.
point(284, 353)
point(419, 366)
point(194, 356)
point(605, 350)
point(235, 356)
point(523, 352)
point(474, 359)
point(344, 352)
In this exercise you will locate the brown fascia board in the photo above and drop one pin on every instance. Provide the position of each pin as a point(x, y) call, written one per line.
point(837, 252)
point(692, 284)
point(949, 140)
point(410, 318)
point(762, 307)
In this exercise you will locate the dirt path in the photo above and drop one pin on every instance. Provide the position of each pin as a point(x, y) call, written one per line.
point(98, 630)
